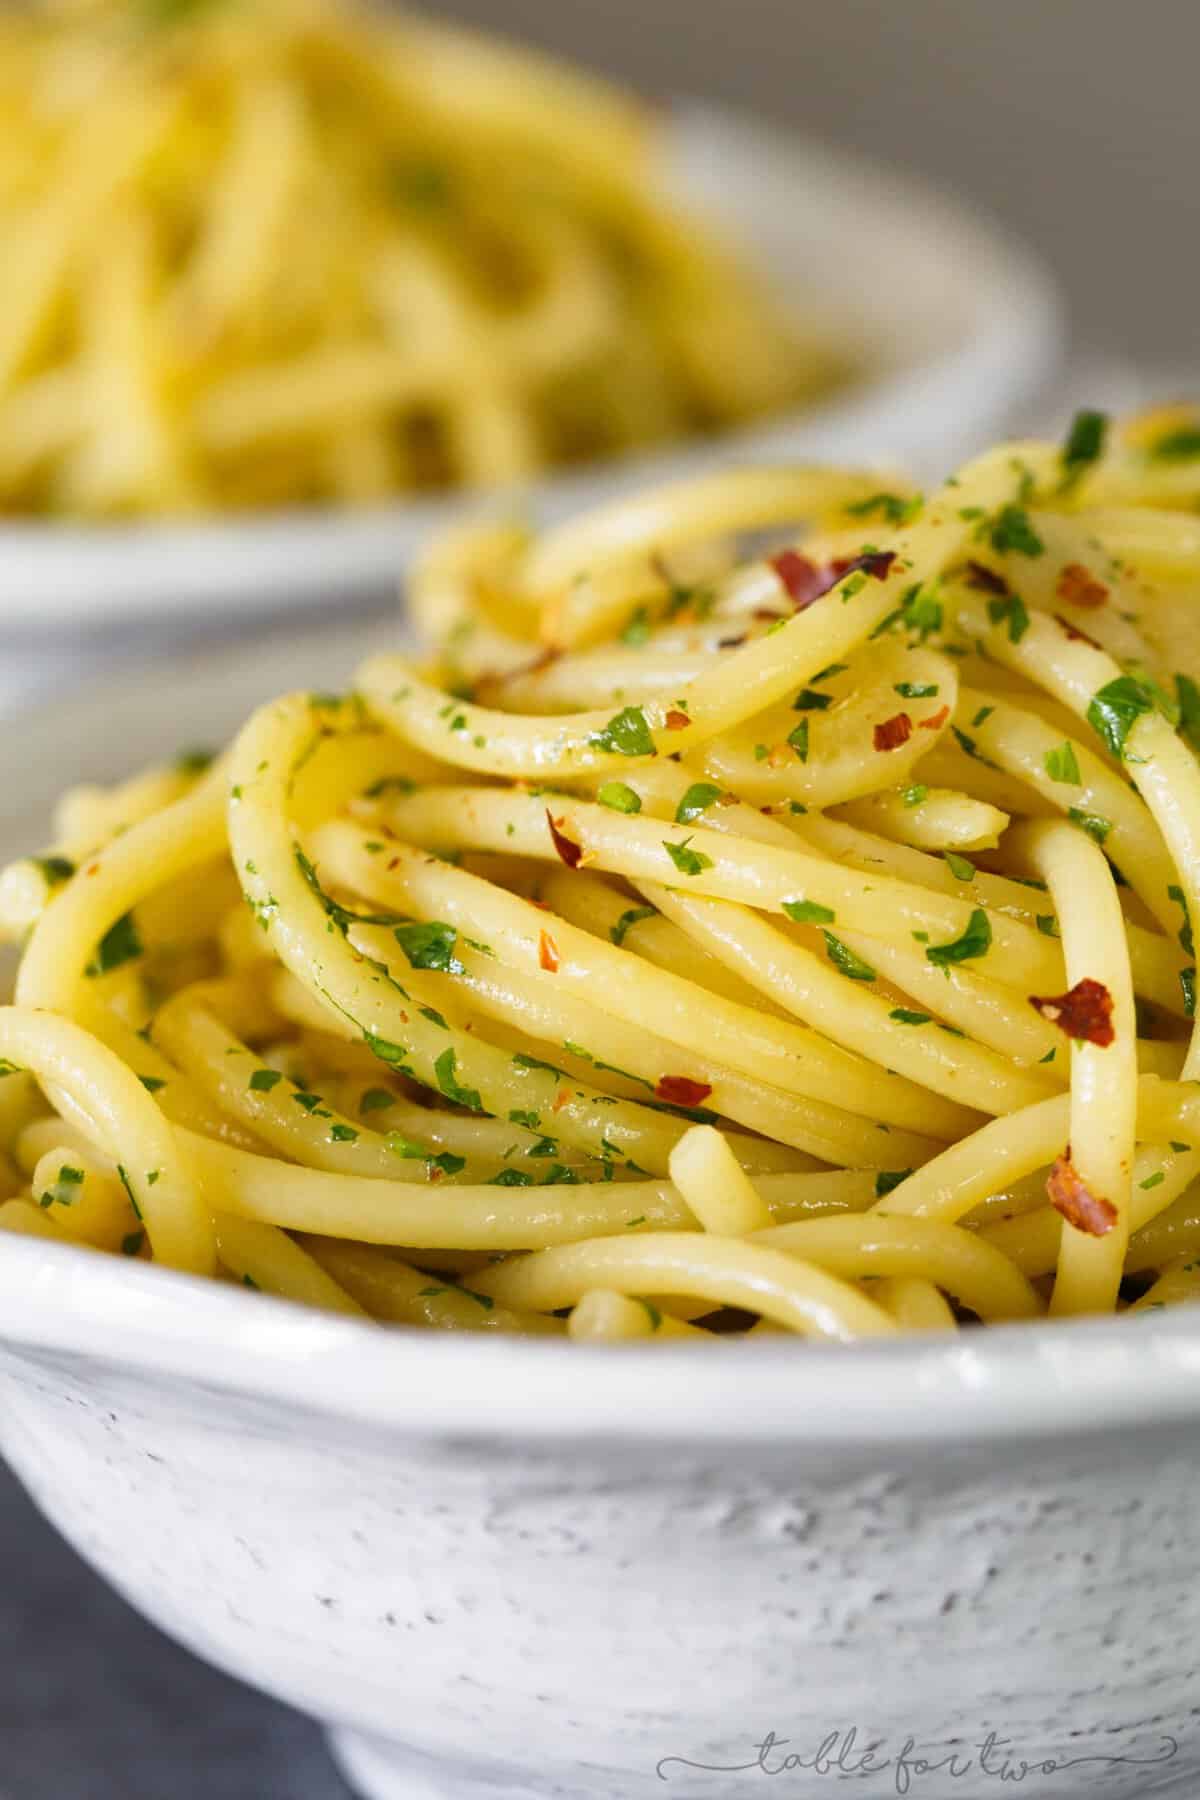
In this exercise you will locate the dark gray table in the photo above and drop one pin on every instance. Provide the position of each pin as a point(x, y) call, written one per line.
point(97, 1705)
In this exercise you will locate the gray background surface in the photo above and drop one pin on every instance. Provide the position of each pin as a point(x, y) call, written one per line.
point(1073, 120)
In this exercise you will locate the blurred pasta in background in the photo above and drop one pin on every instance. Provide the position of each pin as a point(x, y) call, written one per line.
point(269, 252)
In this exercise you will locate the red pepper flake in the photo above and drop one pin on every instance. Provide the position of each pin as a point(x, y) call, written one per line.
point(893, 732)
point(936, 720)
point(548, 957)
point(1079, 587)
point(561, 1099)
point(802, 579)
point(676, 720)
point(677, 1090)
point(569, 851)
point(872, 562)
point(1078, 1205)
point(986, 580)
point(393, 863)
point(1084, 1012)
point(1076, 636)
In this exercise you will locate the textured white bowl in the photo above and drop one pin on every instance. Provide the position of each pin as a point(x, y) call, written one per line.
point(957, 324)
point(508, 1570)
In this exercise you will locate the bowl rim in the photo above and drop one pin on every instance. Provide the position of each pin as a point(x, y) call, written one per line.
point(1024, 1381)
point(264, 564)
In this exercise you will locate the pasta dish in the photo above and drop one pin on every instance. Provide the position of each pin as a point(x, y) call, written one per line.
point(765, 903)
point(265, 253)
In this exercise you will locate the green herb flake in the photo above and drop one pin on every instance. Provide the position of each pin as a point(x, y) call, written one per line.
point(1084, 443)
point(375, 1100)
point(1061, 764)
point(626, 922)
point(343, 1134)
point(915, 795)
point(66, 1188)
point(960, 867)
point(626, 734)
point(1187, 696)
point(1180, 445)
point(699, 797)
point(1153, 1181)
point(1176, 893)
point(54, 870)
point(843, 959)
point(511, 1178)
point(975, 941)
point(637, 630)
point(1187, 981)
point(808, 912)
point(809, 700)
point(152, 1083)
point(447, 1079)
point(263, 1080)
point(904, 1016)
point(132, 1245)
point(1116, 708)
point(429, 944)
point(687, 861)
point(1012, 532)
point(120, 944)
point(1048, 925)
point(1095, 824)
point(887, 1179)
point(619, 797)
point(798, 739)
point(651, 1311)
point(916, 690)
point(1012, 608)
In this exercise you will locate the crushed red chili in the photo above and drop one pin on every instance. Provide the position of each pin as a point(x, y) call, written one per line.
point(1073, 632)
point(1079, 587)
point(936, 720)
point(802, 580)
point(1070, 1196)
point(547, 953)
point(677, 720)
point(678, 1090)
point(1084, 1012)
point(569, 851)
point(893, 732)
point(986, 580)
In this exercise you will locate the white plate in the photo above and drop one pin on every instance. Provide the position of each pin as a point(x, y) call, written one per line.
point(959, 325)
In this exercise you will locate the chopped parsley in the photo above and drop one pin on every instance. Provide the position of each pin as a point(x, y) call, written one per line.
point(1095, 824)
point(890, 508)
point(975, 941)
point(845, 961)
point(1061, 764)
point(628, 920)
point(263, 1080)
point(887, 1179)
point(343, 1134)
point(1012, 532)
point(1180, 445)
point(626, 734)
point(1176, 893)
point(960, 867)
point(1084, 443)
point(809, 912)
point(904, 1016)
point(915, 795)
point(54, 870)
point(810, 700)
point(916, 690)
point(798, 739)
point(447, 1079)
point(699, 797)
point(66, 1188)
point(375, 1100)
point(120, 944)
point(429, 945)
point(1116, 708)
point(687, 861)
point(619, 797)
point(1012, 608)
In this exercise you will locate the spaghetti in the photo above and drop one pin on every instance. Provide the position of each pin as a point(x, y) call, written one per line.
point(689, 941)
point(260, 253)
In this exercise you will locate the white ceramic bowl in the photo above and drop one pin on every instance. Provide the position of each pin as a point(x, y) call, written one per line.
point(505, 1570)
point(956, 324)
